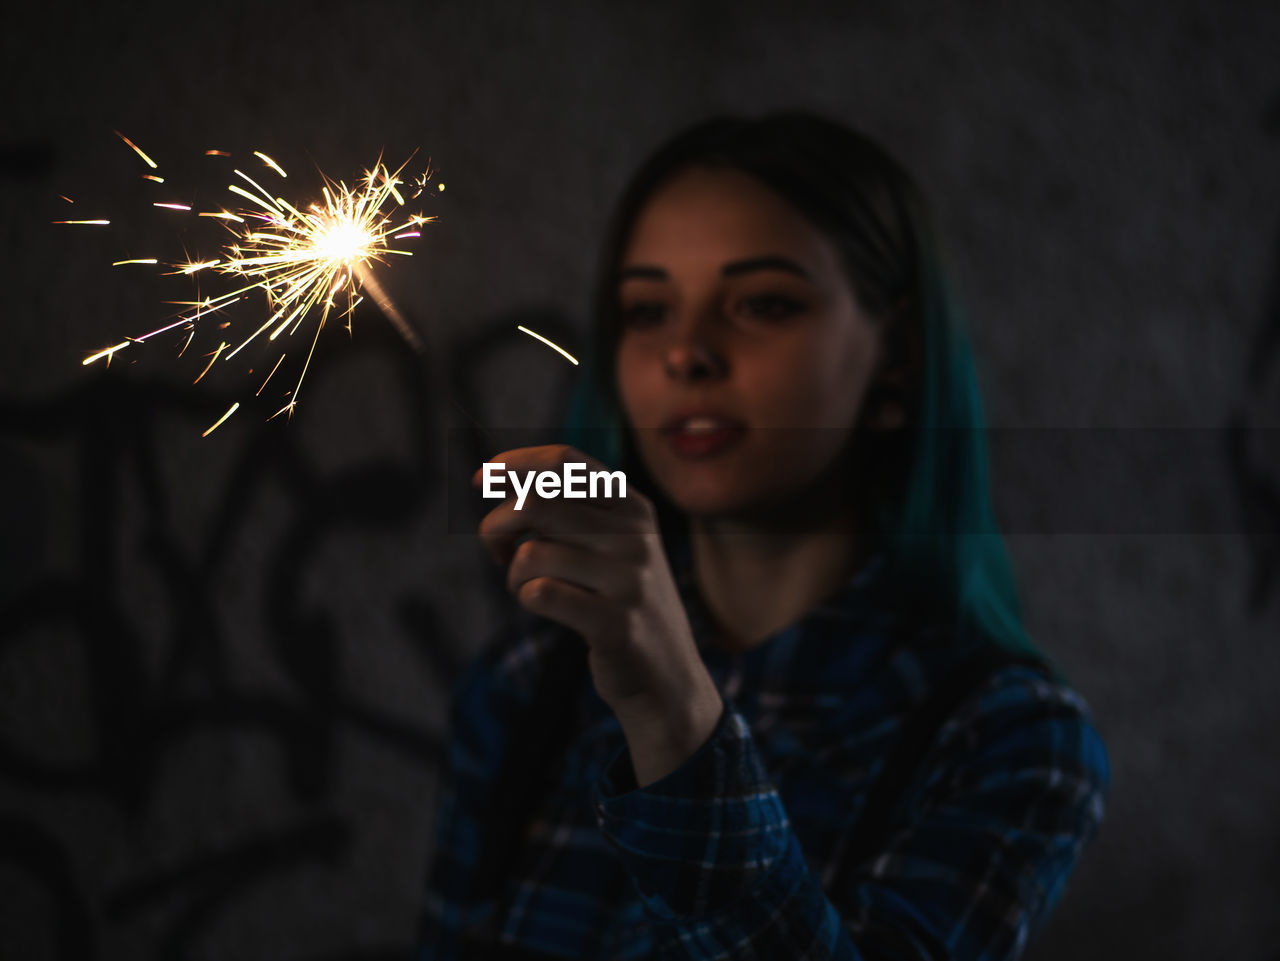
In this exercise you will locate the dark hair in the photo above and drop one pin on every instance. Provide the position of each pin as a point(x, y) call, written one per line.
point(931, 510)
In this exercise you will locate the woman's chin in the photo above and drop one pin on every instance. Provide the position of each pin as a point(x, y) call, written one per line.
point(749, 498)
point(737, 503)
point(708, 495)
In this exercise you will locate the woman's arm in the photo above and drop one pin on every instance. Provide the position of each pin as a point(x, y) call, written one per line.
point(975, 864)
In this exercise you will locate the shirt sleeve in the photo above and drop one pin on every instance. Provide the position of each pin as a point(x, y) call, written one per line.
point(480, 723)
point(1012, 791)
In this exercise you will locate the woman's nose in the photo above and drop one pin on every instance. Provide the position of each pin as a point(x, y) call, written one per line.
point(693, 355)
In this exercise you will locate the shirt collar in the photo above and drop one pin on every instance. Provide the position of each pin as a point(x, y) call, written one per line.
point(827, 631)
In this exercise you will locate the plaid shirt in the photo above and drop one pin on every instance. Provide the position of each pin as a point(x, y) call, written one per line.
point(738, 853)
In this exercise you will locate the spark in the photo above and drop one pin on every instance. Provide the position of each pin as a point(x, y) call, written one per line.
point(216, 153)
point(270, 163)
point(221, 347)
point(245, 176)
point(310, 259)
point(101, 223)
point(248, 196)
point(233, 409)
point(556, 347)
point(150, 260)
point(66, 198)
point(270, 375)
point(158, 180)
point(105, 353)
point(155, 333)
point(150, 163)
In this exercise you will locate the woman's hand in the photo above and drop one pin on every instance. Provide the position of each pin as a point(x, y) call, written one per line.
point(598, 567)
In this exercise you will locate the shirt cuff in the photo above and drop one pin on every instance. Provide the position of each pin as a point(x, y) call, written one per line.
point(705, 835)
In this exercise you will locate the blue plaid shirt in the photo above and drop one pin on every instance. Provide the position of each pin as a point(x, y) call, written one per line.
point(738, 853)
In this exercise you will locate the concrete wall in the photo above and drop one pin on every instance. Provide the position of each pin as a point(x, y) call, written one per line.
point(223, 661)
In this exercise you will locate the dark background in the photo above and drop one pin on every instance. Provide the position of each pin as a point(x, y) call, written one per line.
point(224, 662)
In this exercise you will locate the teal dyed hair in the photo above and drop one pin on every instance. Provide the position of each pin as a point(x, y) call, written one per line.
point(941, 533)
point(931, 510)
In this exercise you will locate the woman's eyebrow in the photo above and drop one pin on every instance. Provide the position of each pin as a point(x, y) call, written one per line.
point(771, 262)
point(642, 273)
point(735, 268)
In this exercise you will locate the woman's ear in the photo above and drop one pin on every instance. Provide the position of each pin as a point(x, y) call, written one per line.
point(892, 396)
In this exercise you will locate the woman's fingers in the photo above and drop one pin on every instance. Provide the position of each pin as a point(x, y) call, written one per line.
point(541, 558)
point(581, 526)
point(568, 604)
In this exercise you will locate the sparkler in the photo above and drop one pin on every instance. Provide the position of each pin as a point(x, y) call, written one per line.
point(304, 257)
point(309, 259)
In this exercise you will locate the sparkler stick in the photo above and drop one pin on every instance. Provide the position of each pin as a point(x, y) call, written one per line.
point(389, 309)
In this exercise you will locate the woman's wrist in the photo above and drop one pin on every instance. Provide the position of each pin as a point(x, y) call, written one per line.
point(660, 738)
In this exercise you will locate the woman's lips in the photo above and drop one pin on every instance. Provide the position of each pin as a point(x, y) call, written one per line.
point(702, 435)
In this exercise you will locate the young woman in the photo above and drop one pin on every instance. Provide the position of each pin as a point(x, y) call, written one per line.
point(776, 702)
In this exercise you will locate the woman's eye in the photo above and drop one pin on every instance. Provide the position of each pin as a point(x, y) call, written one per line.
point(770, 307)
point(643, 314)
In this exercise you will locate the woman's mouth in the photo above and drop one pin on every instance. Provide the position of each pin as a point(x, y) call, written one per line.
point(702, 435)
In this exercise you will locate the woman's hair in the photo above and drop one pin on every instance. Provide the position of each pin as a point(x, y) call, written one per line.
point(930, 508)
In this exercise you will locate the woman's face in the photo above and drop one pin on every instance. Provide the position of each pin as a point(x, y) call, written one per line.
point(743, 356)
